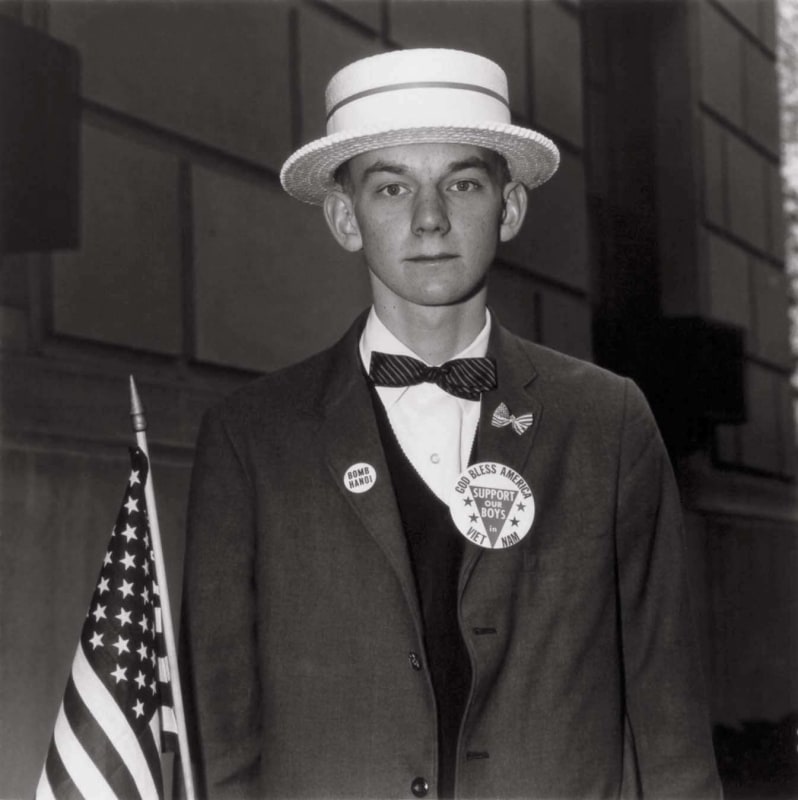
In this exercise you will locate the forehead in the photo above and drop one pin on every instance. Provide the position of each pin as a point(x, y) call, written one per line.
point(438, 158)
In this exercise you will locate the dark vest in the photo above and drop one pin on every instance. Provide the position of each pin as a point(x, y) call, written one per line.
point(436, 552)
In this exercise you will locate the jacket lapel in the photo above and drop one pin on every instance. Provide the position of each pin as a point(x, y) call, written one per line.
point(350, 436)
point(516, 374)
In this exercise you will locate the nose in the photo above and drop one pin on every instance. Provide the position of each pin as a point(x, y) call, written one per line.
point(430, 214)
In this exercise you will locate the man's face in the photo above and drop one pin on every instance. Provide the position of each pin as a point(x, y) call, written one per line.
point(428, 218)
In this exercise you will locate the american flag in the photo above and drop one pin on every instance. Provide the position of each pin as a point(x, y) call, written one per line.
point(117, 715)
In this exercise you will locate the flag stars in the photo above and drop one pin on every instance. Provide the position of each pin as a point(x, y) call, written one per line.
point(131, 505)
point(96, 640)
point(141, 680)
point(102, 586)
point(146, 567)
point(119, 673)
point(129, 532)
point(126, 588)
point(145, 596)
point(129, 561)
point(124, 617)
point(121, 645)
point(138, 709)
point(99, 613)
point(143, 652)
point(154, 686)
point(134, 478)
point(107, 560)
point(144, 623)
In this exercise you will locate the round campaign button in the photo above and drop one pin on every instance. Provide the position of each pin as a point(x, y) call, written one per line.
point(492, 505)
point(360, 477)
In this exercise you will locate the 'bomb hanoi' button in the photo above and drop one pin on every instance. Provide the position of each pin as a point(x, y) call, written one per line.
point(360, 477)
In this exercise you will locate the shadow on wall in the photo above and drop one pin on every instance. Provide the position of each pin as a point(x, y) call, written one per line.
point(759, 760)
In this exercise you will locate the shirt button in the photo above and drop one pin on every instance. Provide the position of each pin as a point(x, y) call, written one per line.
point(414, 660)
point(419, 787)
point(435, 458)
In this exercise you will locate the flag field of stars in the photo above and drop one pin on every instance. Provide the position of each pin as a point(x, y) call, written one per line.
point(119, 636)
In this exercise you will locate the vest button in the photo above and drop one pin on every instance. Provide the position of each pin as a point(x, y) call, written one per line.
point(419, 787)
point(415, 662)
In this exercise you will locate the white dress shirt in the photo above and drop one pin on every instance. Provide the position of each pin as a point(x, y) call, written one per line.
point(435, 429)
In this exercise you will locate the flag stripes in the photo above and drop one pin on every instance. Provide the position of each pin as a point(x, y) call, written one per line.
point(107, 740)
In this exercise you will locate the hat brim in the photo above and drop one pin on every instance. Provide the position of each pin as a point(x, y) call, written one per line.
point(308, 174)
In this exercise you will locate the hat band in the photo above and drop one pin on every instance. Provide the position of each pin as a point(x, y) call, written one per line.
point(396, 87)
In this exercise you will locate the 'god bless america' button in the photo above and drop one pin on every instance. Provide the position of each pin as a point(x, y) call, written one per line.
point(492, 505)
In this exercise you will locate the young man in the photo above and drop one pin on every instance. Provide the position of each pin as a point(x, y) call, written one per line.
point(436, 559)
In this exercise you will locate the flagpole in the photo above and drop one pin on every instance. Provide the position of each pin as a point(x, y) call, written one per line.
point(140, 427)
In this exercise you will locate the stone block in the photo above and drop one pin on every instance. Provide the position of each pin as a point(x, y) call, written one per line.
point(760, 437)
point(566, 323)
point(767, 24)
point(14, 333)
point(729, 295)
point(271, 284)
point(747, 193)
point(366, 12)
point(556, 39)
point(721, 64)
point(761, 98)
point(123, 286)
point(777, 237)
point(746, 12)
point(513, 296)
point(325, 45)
point(771, 301)
point(554, 239)
point(214, 72)
point(788, 411)
point(494, 30)
point(714, 172)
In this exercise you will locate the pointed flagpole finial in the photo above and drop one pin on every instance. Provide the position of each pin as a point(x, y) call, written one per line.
point(136, 409)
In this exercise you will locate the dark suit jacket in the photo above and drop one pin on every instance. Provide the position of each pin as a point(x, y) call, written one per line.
point(301, 620)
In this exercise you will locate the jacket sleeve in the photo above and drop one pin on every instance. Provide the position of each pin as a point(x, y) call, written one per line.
point(218, 629)
point(666, 702)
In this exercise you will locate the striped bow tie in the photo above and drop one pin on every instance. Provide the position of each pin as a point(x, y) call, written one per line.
point(466, 378)
point(502, 417)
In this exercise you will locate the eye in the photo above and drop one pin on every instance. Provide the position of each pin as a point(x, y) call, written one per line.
point(465, 185)
point(392, 190)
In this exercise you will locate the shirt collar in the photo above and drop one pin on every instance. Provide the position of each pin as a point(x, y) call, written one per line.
point(376, 336)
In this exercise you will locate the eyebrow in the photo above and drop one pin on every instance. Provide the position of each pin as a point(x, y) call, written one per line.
point(474, 162)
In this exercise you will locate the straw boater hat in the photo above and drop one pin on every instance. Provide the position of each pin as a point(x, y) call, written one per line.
point(414, 97)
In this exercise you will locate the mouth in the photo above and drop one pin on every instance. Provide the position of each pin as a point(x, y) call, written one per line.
point(433, 258)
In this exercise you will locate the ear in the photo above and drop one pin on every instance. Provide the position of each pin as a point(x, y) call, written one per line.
point(515, 204)
point(340, 215)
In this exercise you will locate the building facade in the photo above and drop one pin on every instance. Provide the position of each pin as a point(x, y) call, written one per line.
point(155, 240)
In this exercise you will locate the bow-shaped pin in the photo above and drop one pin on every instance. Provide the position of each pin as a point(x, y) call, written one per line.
point(502, 417)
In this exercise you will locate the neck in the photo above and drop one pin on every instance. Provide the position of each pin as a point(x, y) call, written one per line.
point(435, 333)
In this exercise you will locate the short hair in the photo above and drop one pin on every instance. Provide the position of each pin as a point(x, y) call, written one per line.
point(343, 176)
